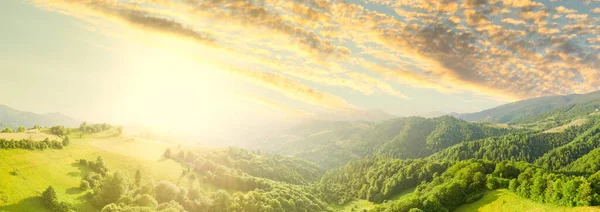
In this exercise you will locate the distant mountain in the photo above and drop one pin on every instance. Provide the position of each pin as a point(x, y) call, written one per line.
point(520, 110)
point(354, 115)
point(434, 114)
point(13, 118)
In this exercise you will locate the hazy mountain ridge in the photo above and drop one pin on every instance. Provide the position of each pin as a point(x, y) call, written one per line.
point(13, 118)
point(520, 110)
point(332, 144)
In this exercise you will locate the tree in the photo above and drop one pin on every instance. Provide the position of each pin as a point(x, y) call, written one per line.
point(138, 178)
point(7, 130)
point(585, 195)
point(113, 188)
point(491, 182)
point(21, 129)
point(222, 201)
point(49, 197)
point(191, 178)
point(513, 185)
point(62, 207)
point(570, 193)
point(84, 185)
point(59, 130)
point(167, 153)
point(111, 208)
point(83, 126)
point(145, 201)
point(166, 191)
point(66, 141)
point(171, 206)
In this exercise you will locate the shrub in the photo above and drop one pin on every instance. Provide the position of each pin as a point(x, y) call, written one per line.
point(15, 172)
point(84, 185)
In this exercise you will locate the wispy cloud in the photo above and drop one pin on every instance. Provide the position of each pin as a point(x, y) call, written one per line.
point(509, 49)
point(291, 88)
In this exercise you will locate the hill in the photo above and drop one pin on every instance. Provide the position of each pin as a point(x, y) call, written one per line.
point(516, 111)
point(332, 144)
point(546, 160)
point(39, 169)
point(13, 118)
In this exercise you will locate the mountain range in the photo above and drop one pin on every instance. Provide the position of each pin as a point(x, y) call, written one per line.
point(521, 110)
point(13, 118)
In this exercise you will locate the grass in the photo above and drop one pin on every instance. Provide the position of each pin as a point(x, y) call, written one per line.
point(562, 128)
point(40, 169)
point(362, 205)
point(505, 201)
point(34, 135)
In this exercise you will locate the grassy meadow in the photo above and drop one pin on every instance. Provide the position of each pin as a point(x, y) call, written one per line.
point(362, 205)
point(58, 168)
point(503, 200)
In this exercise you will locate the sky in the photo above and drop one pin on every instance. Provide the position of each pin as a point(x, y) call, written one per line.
point(220, 66)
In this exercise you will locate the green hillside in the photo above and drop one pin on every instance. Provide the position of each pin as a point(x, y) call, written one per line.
point(39, 169)
point(332, 144)
point(526, 110)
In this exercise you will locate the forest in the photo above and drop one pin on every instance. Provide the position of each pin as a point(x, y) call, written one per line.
point(404, 164)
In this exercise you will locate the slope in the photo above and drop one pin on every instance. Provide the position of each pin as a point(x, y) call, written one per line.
point(332, 144)
point(502, 200)
point(513, 112)
point(39, 169)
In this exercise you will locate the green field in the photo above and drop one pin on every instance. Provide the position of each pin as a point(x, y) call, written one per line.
point(504, 200)
point(40, 169)
point(361, 205)
point(34, 135)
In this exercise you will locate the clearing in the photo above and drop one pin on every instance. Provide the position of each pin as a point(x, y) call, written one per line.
point(562, 128)
point(504, 200)
point(362, 205)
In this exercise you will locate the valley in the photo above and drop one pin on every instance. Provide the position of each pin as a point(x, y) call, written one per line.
point(546, 163)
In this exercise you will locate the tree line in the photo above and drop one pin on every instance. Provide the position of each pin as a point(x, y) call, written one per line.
point(34, 145)
point(519, 146)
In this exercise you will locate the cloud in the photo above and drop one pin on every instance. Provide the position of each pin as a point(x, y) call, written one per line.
point(138, 18)
point(291, 88)
point(510, 49)
point(513, 21)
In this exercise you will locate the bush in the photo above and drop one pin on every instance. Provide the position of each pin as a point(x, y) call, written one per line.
point(84, 185)
point(145, 200)
point(66, 141)
point(111, 208)
point(474, 197)
point(15, 172)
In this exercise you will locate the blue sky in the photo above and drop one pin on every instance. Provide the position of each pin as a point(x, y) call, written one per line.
point(280, 61)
